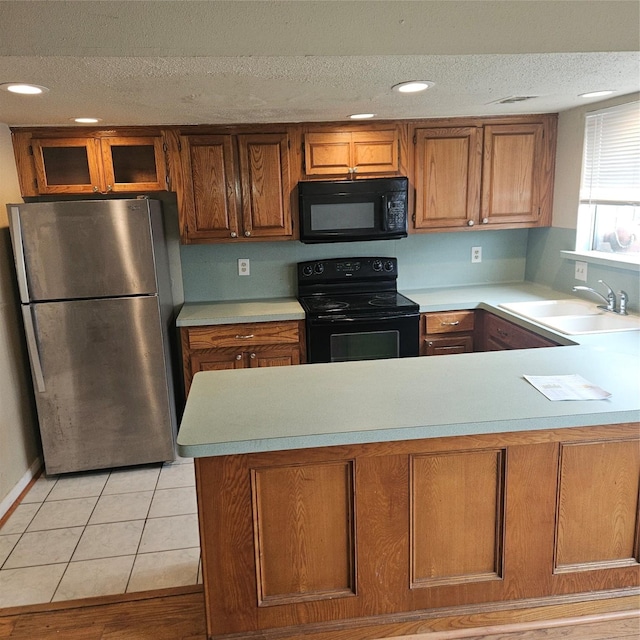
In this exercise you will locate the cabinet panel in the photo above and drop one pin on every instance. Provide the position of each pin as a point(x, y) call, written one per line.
point(457, 517)
point(303, 533)
point(241, 335)
point(266, 185)
point(447, 177)
point(133, 164)
point(501, 334)
point(513, 157)
point(366, 151)
point(375, 151)
point(449, 321)
point(99, 164)
point(327, 153)
point(438, 346)
point(67, 165)
point(209, 204)
point(597, 519)
point(274, 356)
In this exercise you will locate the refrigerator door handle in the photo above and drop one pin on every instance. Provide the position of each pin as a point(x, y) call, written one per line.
point(18, 250)
point(32, 347)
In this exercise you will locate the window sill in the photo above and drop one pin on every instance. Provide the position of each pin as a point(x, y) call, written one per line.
point(618, 261)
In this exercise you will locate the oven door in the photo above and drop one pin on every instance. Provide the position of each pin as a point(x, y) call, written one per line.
point(340, 338)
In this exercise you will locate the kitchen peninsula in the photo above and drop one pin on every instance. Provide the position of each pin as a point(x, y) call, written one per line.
point(361, 499)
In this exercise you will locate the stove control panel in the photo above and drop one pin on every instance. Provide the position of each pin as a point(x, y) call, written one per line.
point(342, 269)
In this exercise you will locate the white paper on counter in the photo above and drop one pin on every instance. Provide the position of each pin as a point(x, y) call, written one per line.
point(571, 387)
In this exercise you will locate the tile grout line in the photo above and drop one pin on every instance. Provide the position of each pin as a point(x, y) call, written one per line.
point(84, 528)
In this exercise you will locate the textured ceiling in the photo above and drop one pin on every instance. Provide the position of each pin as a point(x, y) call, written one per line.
point(185, 62)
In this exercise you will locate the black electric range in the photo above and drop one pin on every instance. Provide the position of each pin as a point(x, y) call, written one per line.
point(354, 312)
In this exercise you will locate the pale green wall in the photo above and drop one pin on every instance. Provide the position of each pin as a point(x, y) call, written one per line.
point(18, 427)
point(430, 260)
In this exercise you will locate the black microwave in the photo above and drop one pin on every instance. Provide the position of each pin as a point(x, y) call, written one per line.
point(353, 210)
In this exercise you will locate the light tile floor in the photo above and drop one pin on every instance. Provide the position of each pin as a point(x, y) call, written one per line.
point(101, 533)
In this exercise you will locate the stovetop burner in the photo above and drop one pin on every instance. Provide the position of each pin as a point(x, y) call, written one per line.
point(359, 286)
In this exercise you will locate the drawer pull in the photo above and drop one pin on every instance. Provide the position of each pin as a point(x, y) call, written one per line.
point(249, 335)
point(450, 324)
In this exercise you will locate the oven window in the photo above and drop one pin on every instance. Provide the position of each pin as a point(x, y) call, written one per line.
point(348, 215)
point(370, 345)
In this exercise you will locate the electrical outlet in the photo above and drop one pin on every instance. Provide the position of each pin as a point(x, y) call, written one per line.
point(476, 254)
point(244, 268)
point(581, 271)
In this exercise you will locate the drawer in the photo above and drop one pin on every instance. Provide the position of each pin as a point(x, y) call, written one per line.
point(449, 321)
point(242, 335)
point(502, 334)
point(447, 345)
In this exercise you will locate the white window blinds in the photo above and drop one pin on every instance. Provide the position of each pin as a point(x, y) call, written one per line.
point(611, 163)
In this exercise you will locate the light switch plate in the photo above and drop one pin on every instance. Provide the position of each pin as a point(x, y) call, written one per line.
point(581, 271)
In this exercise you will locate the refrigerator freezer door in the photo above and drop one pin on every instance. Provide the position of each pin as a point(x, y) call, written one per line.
point(105, 401)
point(70, 250)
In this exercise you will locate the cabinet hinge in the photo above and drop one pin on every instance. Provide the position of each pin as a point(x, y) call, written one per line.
point(165, 148)
point(35, 183)
point(413, 217)
point(30, 150)
point(288, 144)
point(415, 139)
point(179, 145)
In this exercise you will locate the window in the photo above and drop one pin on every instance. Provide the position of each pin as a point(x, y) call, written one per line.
point(609, 214)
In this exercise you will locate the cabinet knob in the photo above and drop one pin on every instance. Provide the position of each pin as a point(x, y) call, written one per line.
point(95, 189)
point(253, 355)
point(239, 356)
point(234, 234)
point(485, 220)
point(109, 187)
point(470, 223)
point(247, 233)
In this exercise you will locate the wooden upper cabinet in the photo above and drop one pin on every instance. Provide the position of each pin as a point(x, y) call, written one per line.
point(265, 185)
point(447, 166)
point(94, 164)
point(208, 199)
point(512, 166)
point(484, 174)
point(235, 187)
point(347, 153)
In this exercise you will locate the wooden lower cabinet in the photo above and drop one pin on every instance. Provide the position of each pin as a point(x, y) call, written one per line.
point(352, 539)
point(240, 346)
point(446, 332)
point(499, 334)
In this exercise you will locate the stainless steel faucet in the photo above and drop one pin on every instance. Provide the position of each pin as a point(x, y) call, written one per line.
point(610, 298)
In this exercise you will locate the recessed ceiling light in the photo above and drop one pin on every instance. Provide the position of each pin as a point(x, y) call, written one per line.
point(86, 120)
point(25, 89)
point(362, 116)
point(413, 86)
point(596, 94)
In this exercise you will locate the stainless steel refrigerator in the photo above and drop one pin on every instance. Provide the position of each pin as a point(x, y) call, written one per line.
point(96, 300)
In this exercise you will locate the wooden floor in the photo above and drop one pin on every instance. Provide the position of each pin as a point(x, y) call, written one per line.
point(180, 616)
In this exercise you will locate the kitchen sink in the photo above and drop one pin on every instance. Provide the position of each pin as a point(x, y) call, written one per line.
point(573, 316)
point(550, 308)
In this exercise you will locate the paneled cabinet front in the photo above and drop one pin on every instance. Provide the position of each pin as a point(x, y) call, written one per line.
point(371, 150)
point(239, 346)
point(387, 531)
point(235, 187)
point(493, 174)
point(99, 162)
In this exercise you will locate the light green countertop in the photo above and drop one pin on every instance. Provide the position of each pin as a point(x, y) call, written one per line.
point(277, 408)
point(195, 314)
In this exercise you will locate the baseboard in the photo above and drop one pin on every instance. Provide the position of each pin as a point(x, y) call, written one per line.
point(15, 494)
